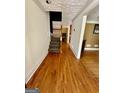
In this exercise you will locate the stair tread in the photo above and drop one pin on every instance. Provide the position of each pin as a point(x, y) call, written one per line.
point(54, 49)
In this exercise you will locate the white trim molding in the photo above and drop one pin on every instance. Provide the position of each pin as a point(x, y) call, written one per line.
point(68, 34)
point(84, 19)
point(93, 22)
point(93, 49)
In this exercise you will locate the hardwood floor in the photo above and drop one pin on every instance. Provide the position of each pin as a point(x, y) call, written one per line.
point(90, 59)
point(63, 73)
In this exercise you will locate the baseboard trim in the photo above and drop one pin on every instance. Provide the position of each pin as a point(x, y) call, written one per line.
point(34, 69)
point(92, 49)
point(93, 22)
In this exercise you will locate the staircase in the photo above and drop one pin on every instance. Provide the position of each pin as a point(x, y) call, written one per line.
point(54, 46)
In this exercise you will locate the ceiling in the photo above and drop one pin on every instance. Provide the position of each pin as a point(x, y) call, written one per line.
point(69, 8)
point(94, 14)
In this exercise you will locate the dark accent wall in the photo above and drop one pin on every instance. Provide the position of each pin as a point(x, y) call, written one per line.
point(54, 16)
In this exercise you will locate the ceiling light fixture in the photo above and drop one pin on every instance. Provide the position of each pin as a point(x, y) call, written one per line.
point(48, 1)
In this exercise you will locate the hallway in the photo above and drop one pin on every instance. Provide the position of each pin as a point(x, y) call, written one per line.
point(63, 73)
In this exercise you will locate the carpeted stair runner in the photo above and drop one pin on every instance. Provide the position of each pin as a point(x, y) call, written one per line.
point(54, 46)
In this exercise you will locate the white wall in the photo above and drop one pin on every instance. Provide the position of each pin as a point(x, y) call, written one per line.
point(56, 24)
point(77, 36)
point(78, 24)
point(37, 37)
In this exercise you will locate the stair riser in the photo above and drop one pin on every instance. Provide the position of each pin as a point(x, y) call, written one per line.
point(54, 46)
point(55, 41)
